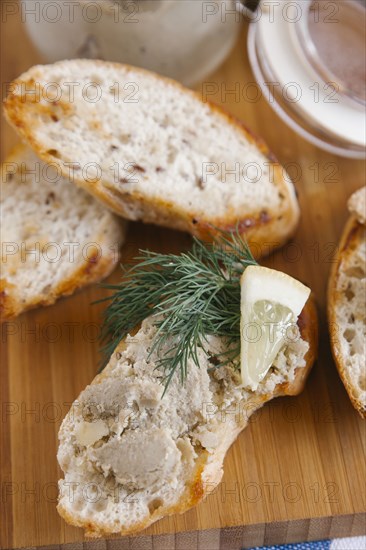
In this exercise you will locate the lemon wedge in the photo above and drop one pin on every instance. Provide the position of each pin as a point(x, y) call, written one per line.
point(271, 302)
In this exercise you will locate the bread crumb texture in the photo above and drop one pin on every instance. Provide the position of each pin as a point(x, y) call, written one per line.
point(357, 204)
point(55, 237)
point(348, 302)
point(153, 151)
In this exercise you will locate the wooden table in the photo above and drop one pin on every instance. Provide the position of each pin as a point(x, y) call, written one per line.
point(296, 473)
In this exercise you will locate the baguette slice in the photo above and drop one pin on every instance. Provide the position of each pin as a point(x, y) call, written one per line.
point(130, 457)
point(151, 150)
point(55, 238)
point(347, 304)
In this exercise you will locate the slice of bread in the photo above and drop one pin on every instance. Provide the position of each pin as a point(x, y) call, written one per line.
point(131, 457)
point(55, 238)
point(347, 304)
point(151, 150)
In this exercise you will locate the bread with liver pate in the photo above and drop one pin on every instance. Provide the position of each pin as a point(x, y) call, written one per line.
point(131, 456)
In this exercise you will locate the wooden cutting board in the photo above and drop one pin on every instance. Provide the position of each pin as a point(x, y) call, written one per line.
point(296, 473)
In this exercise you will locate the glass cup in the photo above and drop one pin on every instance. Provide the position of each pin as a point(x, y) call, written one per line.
point(182, 39)
point(308, 58)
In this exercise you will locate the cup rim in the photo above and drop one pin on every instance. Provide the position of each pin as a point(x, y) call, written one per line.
point(289, 116)
point(309, 48)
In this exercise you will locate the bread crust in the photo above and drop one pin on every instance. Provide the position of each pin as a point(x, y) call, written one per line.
point(261, 228)
point(97, 267)
point(207, 474)
point(352, 234)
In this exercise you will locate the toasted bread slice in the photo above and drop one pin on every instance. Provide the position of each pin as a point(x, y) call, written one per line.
point(55, 238)
point(131, 457)
point(151, 150)
point(347, 304)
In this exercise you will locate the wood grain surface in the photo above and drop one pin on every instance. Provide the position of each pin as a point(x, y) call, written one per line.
point(296, 473)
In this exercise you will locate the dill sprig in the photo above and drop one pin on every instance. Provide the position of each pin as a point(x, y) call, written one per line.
point(193, 294)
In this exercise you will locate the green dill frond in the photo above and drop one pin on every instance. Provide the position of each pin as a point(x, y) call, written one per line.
point(194, 294)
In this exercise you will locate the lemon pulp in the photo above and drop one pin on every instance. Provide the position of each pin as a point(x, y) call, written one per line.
point(270, 304)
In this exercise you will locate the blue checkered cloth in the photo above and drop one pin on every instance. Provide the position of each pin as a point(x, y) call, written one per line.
point(354, 543)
